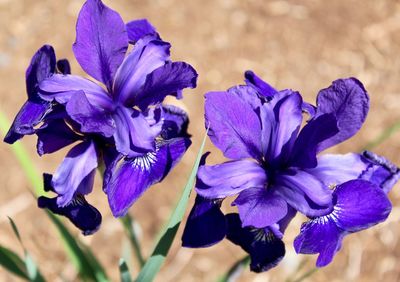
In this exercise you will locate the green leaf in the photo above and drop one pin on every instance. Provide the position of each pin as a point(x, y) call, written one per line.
point(236, 270)
point(124, 271)
point(16, 232)
point(83, 259)
point(128, 223)
point(153, 264)
point(12, 262)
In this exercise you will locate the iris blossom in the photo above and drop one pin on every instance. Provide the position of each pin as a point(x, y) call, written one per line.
point(119, 121)
point(276, 170)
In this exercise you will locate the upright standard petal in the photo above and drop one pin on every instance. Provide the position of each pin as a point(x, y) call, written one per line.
point(234, 126)
point(133, 135)
point(129, 180)
point(80, 162)
point(265, 250)
point(146, 56)
point(175, 122)
point(304, 153)
point(165, 80)
point(61, 87)
point(228, 179)
point(206, 224)
point(261, 86)
point(90, 118)
point(260, 208)
point(101, 41)
point(138, 29)
point(348, 100)
point(360, 205)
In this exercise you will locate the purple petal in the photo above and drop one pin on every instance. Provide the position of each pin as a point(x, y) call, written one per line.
point(234, 126)
point(133, 177)
point(230, 178)
point(247, 94)
point(349, 101)
point(309, 109)
point(42, 66)
point(360, 205)
point(165, 80)
point(61, 87)
point(138, 29)
point(80, 161)
point(260, 208)
point(30, 115)
point(320, 235)
point(83, 215)
point(205, 226)
point(175, 122)
point(261, 86)
point(304, 154)
point(101, 41)
point(63, 66)
point(304, 192)
point(145, 57)
point(335, 169)
point(133, 135)
point(380, 171)
point(90, 118)
point(265, 250)
point(54, 136)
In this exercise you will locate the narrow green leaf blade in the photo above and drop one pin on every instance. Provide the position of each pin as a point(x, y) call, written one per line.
point(153, 264)
point(32, 269)
point(124, 271)
point(127, 222)
point(16, 232)
point(12, 262)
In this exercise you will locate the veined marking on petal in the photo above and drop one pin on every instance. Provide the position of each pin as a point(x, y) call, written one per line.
point(146, 161)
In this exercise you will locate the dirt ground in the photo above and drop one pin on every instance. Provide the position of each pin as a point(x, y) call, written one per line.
point(303, 45)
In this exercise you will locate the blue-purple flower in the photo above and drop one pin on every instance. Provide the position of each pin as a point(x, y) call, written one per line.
point(123, 125)
point(275, 170)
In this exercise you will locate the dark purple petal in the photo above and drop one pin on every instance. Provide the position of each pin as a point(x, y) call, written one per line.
point(42, 66)
point(206, 224)
point(260, 208)
point(380, 171)
point(138, 29)
point(55, 135)
point(319, 236)
point(145, 57)
point(61, 87)
point(30, 115)
point(304, 192)
point(234, 126)
point(349, 102)
point(165, 80)
point(133, 135)
point(101, 41)
point(265, 250)
point(129, 180)
point(80, 161)
point(230, 178)
point(83, 215)
point(63, 66)
point(304, 154)
point(335, 169)
point(175, 122)
point(90, 118)
point(360, 205)
point(262, 87)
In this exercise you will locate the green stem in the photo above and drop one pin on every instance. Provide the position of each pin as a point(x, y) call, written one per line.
point(128, 223)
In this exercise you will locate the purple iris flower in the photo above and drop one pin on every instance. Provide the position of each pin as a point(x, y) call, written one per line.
point(124, 126)
point(274, 168)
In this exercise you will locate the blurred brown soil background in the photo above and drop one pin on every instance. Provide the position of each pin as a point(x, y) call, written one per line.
point(303, 45)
